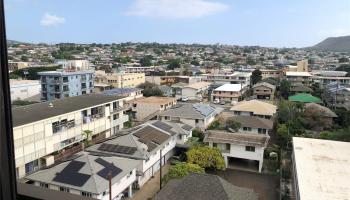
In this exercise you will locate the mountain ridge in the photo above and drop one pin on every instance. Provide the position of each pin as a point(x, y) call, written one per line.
point(338, 44)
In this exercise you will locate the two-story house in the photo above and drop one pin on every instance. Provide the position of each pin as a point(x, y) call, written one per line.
point(149, 107)
point(264, 90)
point(228, 92)
point(196, 115)
point(245, 145)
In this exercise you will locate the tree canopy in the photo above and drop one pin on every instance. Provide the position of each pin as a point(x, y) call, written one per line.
point(182, 169)
point(206, 157)
point(174, 63)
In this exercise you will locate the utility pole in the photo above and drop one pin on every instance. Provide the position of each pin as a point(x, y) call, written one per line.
point(160, 170)
point(110, 184)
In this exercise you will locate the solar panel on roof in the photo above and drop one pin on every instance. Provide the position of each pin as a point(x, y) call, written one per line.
point(162, 125)
point(203, 109)
point(187, 127)
point(70, 174)
point(109, 170)
point(117, 148)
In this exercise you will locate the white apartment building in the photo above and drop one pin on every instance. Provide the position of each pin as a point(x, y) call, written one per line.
point(44, 132)
point(22, 89)
point(235, 78)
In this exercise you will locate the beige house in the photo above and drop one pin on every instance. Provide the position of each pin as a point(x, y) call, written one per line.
point(149, 107)
point(299, 78)
point(270, 73)
point(120, 80)
point(254, 108)
point(264, 90)
point(17, 65)
point(195, 91)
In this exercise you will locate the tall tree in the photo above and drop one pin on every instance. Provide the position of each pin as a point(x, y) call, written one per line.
point(256, 76)
point(285, 88)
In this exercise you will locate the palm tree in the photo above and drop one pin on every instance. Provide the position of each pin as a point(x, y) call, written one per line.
point(87, 137)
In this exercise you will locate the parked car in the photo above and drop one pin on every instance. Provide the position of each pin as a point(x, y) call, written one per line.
point(184, 99)
point(222, 103)
point(216, 101)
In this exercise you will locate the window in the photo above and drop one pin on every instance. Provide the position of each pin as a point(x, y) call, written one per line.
point(250, 148)
point(44, 185)
point(261, 130)
point(228, 147)
point(197, 120)
point(64, 189)
point(86, 194)
point(247, 129)
point(215, 145)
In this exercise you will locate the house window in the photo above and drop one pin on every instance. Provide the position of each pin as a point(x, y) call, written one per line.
point(180, 137)
point(228, 147)
point(44, 185)
point(247, 129)
point(261, 130)
point(237, 112)
point(86, 194)
point(215, 145)
point(64, 189)
point(197, 120)
point(250, 148)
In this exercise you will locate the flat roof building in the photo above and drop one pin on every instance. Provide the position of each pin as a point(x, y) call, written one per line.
point(321, 169)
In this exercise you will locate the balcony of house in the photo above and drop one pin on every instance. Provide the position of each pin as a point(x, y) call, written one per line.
point(226, 94)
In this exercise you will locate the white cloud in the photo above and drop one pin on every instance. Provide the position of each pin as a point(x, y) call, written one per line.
point(175, 9)
point(51, 20)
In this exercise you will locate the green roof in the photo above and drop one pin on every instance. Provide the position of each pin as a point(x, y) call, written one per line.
point(304, 98)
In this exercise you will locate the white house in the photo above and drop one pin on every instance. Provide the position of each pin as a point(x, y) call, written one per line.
point(148, 143)
point(45, 132)
point(239, 147)
point(88, 175)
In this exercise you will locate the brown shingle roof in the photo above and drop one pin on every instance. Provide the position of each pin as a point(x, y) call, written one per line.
point(254, 122)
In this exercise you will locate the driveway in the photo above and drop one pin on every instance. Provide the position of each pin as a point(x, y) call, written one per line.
point(151, 187)
point(266, 186)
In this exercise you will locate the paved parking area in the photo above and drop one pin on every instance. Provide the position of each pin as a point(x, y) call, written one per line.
point(267, 186)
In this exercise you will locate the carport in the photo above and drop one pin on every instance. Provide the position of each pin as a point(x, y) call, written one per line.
point(243, 164)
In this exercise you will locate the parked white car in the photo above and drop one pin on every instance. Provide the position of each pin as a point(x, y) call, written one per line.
point(216, 101)
point(184, 99)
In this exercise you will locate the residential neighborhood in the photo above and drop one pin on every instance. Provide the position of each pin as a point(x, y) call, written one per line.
point(194, 110)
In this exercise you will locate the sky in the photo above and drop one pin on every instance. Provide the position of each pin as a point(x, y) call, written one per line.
point(270, 23)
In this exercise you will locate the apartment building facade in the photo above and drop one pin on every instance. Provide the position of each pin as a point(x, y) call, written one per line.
point(62, 84)
point(121, 80)
point(42, 131)
point(150, 106)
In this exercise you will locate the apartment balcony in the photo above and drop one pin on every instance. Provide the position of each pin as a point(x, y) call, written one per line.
point(56, 82)
point(118, 109)
point(120, 120)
